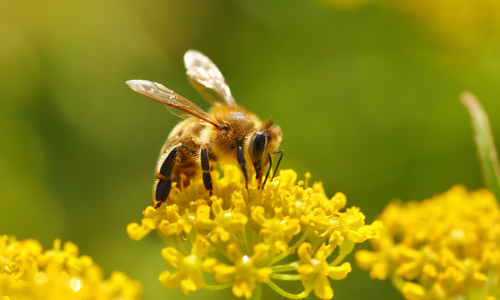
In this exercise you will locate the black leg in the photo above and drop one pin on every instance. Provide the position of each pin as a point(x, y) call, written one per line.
point(268, 171)
point(205, 166)
point(162, 190)
point(241, 161)
point(279, 161)
point(164, 181)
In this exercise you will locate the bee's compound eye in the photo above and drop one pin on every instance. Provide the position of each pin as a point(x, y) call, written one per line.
point(225, 127)
point(259, 144)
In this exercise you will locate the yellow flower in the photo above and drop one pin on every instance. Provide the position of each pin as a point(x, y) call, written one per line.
point(28, 272)
point(314, 271)
point(244, 272)
point(467, 24)
point(380, 262)
point(339, 226)
point(462, 23)
point(346, 4)
point(175, 223)
point(225, 223)
point(439, 248)
point(189, 268)
point(277, 231)
point(255, 230)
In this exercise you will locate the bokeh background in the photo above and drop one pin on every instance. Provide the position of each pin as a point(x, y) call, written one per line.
point(366, 93)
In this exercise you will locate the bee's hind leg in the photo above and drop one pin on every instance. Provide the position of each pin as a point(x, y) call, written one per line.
point(241, 161)
point(164, 178)
point(205, 166)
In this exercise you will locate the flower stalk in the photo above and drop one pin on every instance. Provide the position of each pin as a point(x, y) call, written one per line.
point(484, 142)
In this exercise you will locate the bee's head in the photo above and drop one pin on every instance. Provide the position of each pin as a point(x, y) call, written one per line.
point(264, 142)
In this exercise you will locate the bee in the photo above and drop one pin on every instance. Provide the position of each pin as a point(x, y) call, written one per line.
point(228, 133)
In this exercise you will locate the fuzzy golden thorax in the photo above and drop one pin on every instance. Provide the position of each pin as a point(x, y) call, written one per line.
point(242, 128)
point(224, 143)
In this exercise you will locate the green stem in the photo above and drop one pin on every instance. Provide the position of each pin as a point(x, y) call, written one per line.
point(244, 232)
point(256, 294)
point(397, 281)
point(285, 276)
point(288, 267)
point(217, 247)
point(287, 294)
point(169, 241)
point(180, 244)
point(484, 142)
point(295, 246)
point(217, 287)
point(491, 285)
point(344, 250)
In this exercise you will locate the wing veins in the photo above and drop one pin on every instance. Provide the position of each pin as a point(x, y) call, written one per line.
point(168, 97)
point(206, 78)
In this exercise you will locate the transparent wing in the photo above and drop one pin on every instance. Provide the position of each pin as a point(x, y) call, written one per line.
point(207, 79)
point(176, 104)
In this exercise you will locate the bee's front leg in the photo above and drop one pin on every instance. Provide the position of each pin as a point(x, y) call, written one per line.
point(279, 161)
point(271, 165)
point(268, 170)
point(205, 166)
point(164, 177)
point(241, 161)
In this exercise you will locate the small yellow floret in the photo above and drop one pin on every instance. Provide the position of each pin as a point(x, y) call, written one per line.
point(314, 271)
point(189, 268)
point(245, 271)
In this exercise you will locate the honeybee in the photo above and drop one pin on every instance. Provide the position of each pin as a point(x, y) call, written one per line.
point(228, 133)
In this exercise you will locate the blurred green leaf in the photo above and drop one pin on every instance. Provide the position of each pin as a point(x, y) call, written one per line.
point(484, 142)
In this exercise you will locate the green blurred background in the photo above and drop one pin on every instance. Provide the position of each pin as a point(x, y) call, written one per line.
point(366, 94)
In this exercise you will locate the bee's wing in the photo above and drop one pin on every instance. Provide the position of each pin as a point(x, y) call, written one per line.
point(207, 79)
point(176, 104)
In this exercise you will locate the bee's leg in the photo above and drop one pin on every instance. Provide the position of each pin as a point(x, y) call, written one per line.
point(279, 161)
point(241, 161)
point(164, 181)
point(268, 170)
point(205, 166)
point(271, 165)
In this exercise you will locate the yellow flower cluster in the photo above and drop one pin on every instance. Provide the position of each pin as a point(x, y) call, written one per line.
point(466, 24)
point(346, 4)
point(29, 273)
point(238, 237)
point(440, 248)
point(460, 23)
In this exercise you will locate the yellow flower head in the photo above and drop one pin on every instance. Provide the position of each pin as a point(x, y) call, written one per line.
point(440, 248)
point(454, 24)
point(244, 272)
point(314, 271)
point(189, 267)
point(222, 224)
point(28, 272)
point(239, 237)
